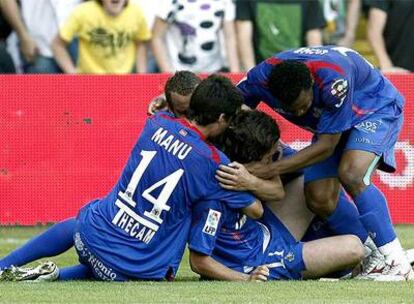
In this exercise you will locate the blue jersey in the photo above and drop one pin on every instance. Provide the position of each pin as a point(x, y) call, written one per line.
point(242, 244)
point(227, 235)
point(140, 229)
point(347, 89)
point(231, 238)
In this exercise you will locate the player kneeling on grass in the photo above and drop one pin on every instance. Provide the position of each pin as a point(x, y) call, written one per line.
point(226, 245)
point(140, 229)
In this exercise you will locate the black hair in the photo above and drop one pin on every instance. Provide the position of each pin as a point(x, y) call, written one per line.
point(214, 96)
point(250, 135)
point(288, 79)
point(182, 82)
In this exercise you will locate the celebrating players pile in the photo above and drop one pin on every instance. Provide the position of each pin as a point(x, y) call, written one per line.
point(207, 174)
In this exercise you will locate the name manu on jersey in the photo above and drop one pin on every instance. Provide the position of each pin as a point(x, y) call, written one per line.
point(144, 227)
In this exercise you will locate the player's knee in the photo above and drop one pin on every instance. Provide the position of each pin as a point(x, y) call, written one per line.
point(320, 201)
point(354, 247)
point(352, 179)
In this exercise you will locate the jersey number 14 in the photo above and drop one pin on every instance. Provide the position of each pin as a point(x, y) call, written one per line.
point(168, 185)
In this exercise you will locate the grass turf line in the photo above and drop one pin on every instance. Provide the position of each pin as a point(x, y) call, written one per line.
point(186, 288)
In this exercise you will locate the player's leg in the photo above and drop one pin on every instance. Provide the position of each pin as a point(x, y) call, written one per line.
point(328, 255)
point(46, 271)
point(55, 240)
point(326, 199)
point(77, 272)
point(355, 172)
point(371, 144)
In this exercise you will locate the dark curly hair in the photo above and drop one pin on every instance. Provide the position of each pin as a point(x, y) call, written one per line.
point(214, 96)
point(288, 79)
point(182, 82)
point(250, 136)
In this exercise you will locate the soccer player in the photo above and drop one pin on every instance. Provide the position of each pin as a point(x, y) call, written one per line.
point(356, 115)
point(226, 245)
point(177, 94)
point(139, 230)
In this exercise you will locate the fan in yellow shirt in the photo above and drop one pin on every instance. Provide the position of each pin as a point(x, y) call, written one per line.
point(112, 35)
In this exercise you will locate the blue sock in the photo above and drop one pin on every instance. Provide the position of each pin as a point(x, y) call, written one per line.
point(375, 216)
point(77, 272)
point(53, 241)
point(345, 219)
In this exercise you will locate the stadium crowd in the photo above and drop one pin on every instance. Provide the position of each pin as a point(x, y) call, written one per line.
point(203, 36)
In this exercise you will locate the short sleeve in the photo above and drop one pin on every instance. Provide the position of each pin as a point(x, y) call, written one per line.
point(383, 5)
point(229, 10)
point(243, 10)
point(247, 89)
point(71, 27)
point(207, 218)
point(166, 10)
point(337, 106)
point(314, 16)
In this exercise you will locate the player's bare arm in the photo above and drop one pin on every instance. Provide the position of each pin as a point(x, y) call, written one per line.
point(206, 266)
point(236, 177)
point(320, 150)
point(254, 210)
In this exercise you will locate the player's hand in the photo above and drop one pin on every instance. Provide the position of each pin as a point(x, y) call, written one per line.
point(159, 103)
point(262, 170)
point(235, 177)
point(260, 274)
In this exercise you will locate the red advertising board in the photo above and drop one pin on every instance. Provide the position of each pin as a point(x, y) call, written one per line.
point(64, 140)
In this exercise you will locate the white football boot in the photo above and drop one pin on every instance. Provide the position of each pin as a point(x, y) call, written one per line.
point(46, 271)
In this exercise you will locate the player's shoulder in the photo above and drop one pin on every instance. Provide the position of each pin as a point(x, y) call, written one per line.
point(190, 135)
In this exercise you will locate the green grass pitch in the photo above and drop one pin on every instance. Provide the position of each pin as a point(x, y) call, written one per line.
point(187, 289)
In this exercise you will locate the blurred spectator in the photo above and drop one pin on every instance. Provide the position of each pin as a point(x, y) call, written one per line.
point(6, 61)
point(186, 35)
point(390, 31)
point(342, 18)
point(265, 27)
point(112, 36)
point(36, 23)
point(150, 9)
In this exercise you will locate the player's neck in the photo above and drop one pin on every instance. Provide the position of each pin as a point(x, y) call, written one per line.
point(204, 131)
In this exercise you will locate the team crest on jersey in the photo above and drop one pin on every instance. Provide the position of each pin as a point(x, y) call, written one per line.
point(339, 89)
point(211, 225)
point(290, 256)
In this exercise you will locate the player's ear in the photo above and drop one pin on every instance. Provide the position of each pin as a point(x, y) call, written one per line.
point(222, 118)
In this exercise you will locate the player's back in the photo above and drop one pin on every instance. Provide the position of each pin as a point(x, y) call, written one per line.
point(343, 81)
point(141, 227)
point(330, 63)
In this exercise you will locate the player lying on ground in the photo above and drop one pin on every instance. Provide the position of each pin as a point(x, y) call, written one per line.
point(139, 230)
point(226, 245)
point(356, 115)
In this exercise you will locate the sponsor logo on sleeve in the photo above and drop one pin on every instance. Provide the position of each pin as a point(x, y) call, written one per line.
point(211, 225)
point(339, 89)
